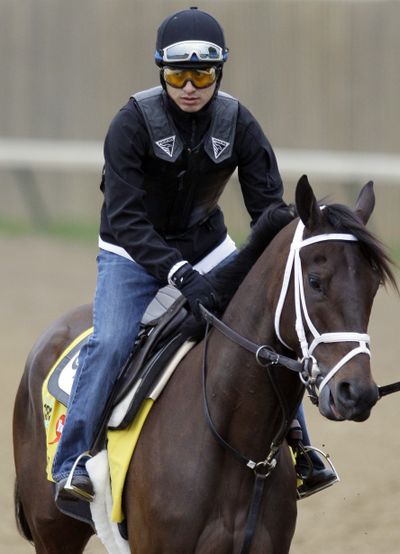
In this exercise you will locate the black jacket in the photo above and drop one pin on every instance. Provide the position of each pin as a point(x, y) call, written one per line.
point(163, 211)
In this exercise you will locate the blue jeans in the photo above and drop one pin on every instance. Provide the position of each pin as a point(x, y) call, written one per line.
point(315, 458)
point(123, 291)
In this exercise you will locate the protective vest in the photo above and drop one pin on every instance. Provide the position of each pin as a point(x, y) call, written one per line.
point(167, 144)
point(180, 193)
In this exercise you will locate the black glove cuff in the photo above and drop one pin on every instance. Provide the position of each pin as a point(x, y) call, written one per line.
point(180, 275)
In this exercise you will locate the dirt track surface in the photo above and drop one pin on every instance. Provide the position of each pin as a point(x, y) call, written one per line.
point(41, 278)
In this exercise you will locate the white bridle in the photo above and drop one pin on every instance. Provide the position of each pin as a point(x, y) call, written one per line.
point(294, 261)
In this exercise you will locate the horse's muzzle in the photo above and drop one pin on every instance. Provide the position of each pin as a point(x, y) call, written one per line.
point(347, 400)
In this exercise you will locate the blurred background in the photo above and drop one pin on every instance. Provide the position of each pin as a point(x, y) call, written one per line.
point(323, 79)
point(319, 76)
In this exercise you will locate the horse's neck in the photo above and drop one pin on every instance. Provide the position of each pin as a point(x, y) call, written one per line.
point(247, 398)
point(252, 310)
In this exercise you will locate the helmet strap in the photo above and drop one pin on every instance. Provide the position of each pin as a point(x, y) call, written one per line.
point(162, 80)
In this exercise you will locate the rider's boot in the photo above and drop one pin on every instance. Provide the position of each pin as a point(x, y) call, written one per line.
point(312, 472)
point(77, 486)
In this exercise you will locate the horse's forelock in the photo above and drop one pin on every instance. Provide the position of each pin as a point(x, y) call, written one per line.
point(344, 220)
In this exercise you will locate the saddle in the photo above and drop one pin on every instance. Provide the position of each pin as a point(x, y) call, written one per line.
point(159, 338)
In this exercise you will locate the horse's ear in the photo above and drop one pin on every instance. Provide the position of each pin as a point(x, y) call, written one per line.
point(365, 202)
point(306, 204)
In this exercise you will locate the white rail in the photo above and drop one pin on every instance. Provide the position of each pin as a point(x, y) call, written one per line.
point(53, 155)
point(345, 166)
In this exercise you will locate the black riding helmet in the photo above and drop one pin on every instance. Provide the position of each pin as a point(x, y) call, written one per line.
point(191, 39)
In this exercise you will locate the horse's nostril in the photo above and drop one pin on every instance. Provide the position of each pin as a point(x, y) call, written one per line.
point(354, 396)
point(346, 392)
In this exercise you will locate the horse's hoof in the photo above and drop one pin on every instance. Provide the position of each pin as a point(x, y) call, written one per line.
point(80, 488)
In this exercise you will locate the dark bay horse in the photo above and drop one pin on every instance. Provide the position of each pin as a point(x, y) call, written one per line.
point(184, 493)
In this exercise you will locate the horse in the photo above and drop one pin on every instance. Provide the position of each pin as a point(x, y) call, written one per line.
point(186, 491)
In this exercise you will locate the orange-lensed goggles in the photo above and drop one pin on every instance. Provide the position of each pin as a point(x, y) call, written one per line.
point(200, 78)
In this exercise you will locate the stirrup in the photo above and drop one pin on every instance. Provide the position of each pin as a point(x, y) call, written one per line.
point(70, 487)
point(322, 485)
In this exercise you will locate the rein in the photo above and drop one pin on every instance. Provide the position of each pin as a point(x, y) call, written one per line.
point(263, 353)
point(389, 389)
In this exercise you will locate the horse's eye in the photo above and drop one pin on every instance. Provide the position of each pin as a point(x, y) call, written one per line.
point(315, 282)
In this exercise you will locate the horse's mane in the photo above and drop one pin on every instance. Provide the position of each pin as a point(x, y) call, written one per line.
point(227, 279)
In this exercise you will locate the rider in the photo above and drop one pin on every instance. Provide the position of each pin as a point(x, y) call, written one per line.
point(169, 153)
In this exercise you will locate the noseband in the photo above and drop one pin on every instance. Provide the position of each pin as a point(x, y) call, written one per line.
point(312, 376)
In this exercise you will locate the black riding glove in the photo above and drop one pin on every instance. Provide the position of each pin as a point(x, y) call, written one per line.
point(279, 215)
point(196, 288)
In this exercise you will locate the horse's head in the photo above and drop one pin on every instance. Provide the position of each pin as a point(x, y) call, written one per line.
point(336, 267)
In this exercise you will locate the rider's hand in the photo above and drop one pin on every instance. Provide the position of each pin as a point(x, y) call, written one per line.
point(196, 288)
point(279, 215)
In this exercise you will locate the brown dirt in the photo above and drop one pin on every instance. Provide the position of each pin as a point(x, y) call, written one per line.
point(42, 278)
